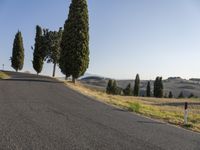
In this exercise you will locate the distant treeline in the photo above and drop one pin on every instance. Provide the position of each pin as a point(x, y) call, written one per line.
point(157, 91)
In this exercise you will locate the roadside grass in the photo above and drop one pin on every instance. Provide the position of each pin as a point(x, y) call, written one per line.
point(4, 75)
point(166, 110)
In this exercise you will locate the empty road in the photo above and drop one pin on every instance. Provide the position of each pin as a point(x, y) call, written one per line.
point(40, 113)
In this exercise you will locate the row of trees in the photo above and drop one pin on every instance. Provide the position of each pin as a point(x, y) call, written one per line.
point(46, 48)
point(69, 48)
point(112, 88)
point(158, 89)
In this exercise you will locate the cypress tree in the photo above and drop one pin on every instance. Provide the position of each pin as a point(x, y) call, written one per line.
point(109, 87)
point(136, 86)
point(160, 95)
point(158, 87)
point(155, 90)
point(170, 95)
point(38, 54)
point(148, 91)
point(114, 88)
point(191, 95)
point(127, 91)
point(17, 59)
point(181, 95)
point(74, 58)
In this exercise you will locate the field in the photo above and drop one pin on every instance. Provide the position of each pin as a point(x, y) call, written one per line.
point(167, 110)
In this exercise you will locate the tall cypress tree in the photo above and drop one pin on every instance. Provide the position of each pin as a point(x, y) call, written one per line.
point(160, 95)
point(74, 58)
point(114, 88)
point(109, 87)
point(38, 54)
point(136, 86)
point(148, 91)
point(158, 87)
point(17, 59)
point(181, 95)
point(170, 95)
point(155, 91)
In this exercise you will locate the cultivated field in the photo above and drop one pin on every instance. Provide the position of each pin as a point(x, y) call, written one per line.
point(167, 110)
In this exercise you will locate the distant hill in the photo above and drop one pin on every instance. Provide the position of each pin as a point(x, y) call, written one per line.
point(174, 84)
point(195, 79)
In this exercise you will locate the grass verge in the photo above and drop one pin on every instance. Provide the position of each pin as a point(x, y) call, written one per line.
point(4, 75)
point(167, 110)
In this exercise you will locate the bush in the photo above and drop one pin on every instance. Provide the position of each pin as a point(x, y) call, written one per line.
point(134, 107)
point(128, 91)
point(181, 95)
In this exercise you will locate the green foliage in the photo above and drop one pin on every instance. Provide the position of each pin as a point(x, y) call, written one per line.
point(158, 87)
point(112, 88)
point(109, 87)
point(171, 95)
point(135, 107)
point(148, 90)
point(52, 49)
point(74, 58)
point(17, 59)
point(38, 54)
point(191, 95)
point(181, 95)
point(3, 75)
point(128, 91)
point(136, 86)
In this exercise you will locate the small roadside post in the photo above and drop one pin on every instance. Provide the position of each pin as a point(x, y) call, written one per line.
point(186, 114)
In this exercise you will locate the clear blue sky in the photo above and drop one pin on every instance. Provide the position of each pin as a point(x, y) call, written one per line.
point(149, 37)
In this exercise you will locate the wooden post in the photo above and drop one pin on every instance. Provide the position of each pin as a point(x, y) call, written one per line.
point(186, 113)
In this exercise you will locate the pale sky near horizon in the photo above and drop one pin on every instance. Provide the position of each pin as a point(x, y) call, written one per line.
point(149, 37)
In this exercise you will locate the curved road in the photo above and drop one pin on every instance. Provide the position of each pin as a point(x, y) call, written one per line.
point(39, 113)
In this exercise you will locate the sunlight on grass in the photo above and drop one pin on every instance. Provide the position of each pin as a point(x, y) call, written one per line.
point(167, 110)
point(4, 75)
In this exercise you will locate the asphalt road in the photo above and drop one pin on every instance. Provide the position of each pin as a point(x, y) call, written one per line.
point(39, 113)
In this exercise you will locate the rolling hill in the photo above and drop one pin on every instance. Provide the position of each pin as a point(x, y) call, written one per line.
point(174, 84)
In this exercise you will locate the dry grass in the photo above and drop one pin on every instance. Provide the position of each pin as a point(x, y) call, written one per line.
point(4, 75)
point(168, 110)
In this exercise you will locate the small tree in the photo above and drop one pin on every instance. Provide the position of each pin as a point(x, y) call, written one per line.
point(148, 90)
point(109, 87)
point(127, 91)
point(136, 86)
point(17, 59)
point(181, 95)
point(191, 95)
point(170, 95)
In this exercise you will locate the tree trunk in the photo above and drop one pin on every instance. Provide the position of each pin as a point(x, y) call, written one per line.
point(74, 80)
point(54, 69)
point(66, 77)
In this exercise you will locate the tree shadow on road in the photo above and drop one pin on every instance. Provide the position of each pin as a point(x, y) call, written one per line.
point(34, 80)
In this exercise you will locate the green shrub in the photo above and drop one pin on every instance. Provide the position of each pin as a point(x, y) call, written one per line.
point(135, 107)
